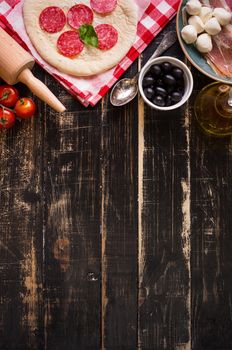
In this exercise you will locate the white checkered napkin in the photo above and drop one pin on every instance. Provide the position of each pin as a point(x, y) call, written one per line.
point(4, 8)
point(91, 90)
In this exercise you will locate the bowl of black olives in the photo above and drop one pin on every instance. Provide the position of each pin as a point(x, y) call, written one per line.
point(165, 83)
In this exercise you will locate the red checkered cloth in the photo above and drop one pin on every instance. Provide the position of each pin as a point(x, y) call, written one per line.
point(91, 90)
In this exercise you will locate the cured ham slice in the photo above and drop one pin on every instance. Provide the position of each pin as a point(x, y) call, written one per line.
point(220, 58)
point(78, 15)
point(221, 54)
point(226, 4)
point(107, 36)
point(69, 43)
point(103, 6)
point(218, 3)
point(52, 19)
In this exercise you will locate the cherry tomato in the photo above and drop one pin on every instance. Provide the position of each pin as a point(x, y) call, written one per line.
point(8, 95)
point(25, 108)
point(7, 119)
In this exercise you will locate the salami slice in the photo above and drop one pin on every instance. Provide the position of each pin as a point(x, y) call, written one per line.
point(107, 36)
point(103, 6)
point(52, 19)
point(79, 15)
point(69, 43)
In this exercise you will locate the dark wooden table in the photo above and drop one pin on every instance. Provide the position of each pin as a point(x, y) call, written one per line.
point(115, 228)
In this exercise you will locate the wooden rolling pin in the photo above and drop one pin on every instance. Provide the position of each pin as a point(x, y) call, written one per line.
point(15, 66)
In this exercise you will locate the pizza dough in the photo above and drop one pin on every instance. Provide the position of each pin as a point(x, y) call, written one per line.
point(91, 60)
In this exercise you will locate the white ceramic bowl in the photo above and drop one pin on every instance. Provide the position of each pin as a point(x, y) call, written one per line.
point(188, 79)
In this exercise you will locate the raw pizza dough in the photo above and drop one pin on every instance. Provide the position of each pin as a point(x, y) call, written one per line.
point(91, 60)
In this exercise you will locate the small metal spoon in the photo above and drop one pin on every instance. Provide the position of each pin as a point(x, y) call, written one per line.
point(126, 89)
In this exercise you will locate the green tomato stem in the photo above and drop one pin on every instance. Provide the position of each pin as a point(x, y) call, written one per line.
point(5, 96)
point(9, 109)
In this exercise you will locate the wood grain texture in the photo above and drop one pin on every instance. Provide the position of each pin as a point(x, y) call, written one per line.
point(72, 246)
point(115, 228)
point(164, 279)
point(119, 227)
point(21, 218)
point(211, 185)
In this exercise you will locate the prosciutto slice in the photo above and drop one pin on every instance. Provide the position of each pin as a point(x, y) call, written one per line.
point(221, 54)
point(220, 58)
point(226, 4)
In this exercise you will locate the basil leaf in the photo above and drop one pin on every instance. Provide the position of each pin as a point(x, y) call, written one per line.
point(88, 35)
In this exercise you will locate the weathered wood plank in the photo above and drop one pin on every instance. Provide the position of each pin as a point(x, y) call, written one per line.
point(72, 246)
point(71, 229)
point(119, 226)
point(21, 217)
point(211, 193)
point(164, 251)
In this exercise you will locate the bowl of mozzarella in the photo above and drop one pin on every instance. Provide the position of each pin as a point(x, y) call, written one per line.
point(200, 27)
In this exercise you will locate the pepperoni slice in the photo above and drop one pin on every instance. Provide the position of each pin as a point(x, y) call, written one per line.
point(69, 43)
point(79, 15)
point(107, 36)
point(103, 6)
point(52, 19)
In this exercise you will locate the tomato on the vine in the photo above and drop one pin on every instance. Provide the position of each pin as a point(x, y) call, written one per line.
point(7, 118)
point(8, 95)
point(25, 108)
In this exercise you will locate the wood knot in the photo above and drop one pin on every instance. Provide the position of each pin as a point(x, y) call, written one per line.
point(61, 253)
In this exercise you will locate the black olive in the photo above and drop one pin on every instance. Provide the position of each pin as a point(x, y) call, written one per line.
point(148, 81)
point(159, 101)
point(168, 101)
point(177, 73)
point(166, 67)
point(180, 89)
point(170, 89)
point(180, 82)
point(155, 70)
point(160, 91)
point(159, 82)
point(169, 80)
point(149, 92)
point(176, 96)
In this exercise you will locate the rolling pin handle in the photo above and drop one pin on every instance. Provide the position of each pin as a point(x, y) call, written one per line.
point(40, 90)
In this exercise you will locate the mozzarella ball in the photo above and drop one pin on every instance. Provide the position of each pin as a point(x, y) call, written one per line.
point(205, 13)
point(223, 16)
point(193, 7)
point(204, 43)
point(189, 34)
point(197, 23)
point(212, 26)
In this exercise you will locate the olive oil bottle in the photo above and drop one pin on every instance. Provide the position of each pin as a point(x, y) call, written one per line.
point(213, 109)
